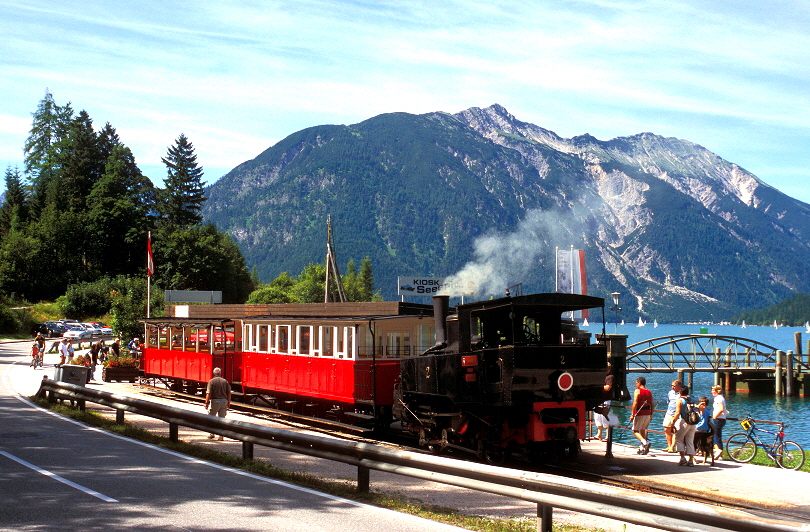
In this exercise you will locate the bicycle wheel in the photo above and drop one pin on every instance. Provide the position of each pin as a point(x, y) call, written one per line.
point(789, 455)
point(741, 447)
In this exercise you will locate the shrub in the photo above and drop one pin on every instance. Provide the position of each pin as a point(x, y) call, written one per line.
point(121, 362)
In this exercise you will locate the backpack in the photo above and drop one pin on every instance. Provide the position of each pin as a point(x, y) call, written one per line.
point(691, 415)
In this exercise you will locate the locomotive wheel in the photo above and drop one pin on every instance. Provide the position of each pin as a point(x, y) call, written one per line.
point(439, 448)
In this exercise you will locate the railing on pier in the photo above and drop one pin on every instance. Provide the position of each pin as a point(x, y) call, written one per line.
point(705, 353)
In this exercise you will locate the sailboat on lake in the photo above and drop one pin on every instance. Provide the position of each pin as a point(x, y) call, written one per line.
point(655, 323)
point(807, 327)
point(743, 324)
point(641, 322)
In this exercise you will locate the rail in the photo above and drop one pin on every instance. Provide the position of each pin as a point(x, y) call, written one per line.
point(547, 491)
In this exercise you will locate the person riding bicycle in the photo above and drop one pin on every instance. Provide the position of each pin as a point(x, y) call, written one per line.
point(40, 341)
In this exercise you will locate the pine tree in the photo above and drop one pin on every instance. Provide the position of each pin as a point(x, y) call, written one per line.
point(366, 280)
point(183, 196)
point(14, 211)
point(81, 164)
point(107, 140)
point(41, 147)
point(119, 209)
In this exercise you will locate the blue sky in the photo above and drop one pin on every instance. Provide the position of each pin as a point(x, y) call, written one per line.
point(236, 77)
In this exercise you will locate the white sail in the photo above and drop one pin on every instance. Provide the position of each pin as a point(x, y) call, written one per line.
point(807, 327)
point(655, 323)
point(641, 322)
point(622, 322)
point(743, 324)
point(585, 323)
point(775, 326)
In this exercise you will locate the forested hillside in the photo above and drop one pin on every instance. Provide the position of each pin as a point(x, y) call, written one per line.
point(793, 312)
point(79, 210)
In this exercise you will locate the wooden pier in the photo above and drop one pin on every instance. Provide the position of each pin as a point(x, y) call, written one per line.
point(738, 364)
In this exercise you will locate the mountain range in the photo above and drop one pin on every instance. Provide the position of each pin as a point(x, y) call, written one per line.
point(484, 198)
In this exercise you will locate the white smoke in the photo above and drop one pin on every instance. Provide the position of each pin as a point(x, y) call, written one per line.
point(501, 260)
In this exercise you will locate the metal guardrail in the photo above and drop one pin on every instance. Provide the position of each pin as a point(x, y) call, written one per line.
point(547, 491)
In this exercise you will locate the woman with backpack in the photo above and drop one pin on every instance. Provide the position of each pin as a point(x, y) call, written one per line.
point(684, 431)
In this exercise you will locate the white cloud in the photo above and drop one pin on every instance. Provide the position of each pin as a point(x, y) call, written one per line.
point(233, 76)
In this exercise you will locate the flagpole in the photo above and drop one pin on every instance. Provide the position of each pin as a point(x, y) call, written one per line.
point(148, 271)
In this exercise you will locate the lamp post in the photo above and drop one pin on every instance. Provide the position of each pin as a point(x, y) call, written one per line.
point(616, 308)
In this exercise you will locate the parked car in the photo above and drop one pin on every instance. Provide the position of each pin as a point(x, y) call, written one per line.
point(78, 331)
point(50, 329)
point(94, 331)
point(106, 330)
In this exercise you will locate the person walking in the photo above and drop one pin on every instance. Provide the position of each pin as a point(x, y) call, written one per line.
point(63, 351)
point(95, 351)
point(684, 432)
point(70, 352)
point(217, 397)
point(719, 413)
point(669, 416)
point(600, 419)
point(641, 414)
point(116, 347)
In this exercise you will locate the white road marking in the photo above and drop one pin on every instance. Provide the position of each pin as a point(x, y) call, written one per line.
point(58, 478)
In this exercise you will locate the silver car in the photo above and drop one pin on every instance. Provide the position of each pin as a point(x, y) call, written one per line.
point(79, 332)
point(95, 331)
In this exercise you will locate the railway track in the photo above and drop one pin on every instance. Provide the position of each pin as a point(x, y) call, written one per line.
point(564, 469)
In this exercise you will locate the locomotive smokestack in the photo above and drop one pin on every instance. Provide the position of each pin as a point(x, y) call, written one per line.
point(441, 308)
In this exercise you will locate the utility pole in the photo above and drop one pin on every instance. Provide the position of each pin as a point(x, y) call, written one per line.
point(332, 273)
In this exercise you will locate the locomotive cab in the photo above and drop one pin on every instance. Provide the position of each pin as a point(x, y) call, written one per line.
point(506, 373)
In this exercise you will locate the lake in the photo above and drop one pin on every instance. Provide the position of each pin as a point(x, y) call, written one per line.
point(794, 411)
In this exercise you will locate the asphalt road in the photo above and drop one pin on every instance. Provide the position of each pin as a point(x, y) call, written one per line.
point(57, 474)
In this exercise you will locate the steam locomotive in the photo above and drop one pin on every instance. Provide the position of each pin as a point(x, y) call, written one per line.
point(513, 374)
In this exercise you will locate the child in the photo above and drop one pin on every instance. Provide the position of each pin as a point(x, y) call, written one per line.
point(703, 431)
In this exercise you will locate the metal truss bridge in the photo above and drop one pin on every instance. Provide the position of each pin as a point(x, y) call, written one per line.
point(705, 353)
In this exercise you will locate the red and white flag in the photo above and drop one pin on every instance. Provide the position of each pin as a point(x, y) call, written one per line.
point(150, 261)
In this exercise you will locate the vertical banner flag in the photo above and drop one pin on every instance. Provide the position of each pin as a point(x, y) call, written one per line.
point(150, 262)
point(571, 278)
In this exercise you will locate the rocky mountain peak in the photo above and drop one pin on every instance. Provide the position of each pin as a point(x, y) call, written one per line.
point(678, 229)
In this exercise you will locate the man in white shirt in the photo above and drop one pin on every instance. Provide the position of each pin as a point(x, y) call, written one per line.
point(63, 350)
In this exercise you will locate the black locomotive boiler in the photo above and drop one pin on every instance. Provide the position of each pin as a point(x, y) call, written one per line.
point(506, 375)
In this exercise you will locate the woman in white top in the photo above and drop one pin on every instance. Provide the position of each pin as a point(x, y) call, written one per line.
point(719, 413)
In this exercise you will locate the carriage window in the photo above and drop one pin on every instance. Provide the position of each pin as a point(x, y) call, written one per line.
point(316, 340)
point(282, 338)
point(328, 341)
point(262, 339)
point(398, 344)
point(425, 337)
point(230, 337)
point(247, 337)
point(345, 342)
point(304, 336)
